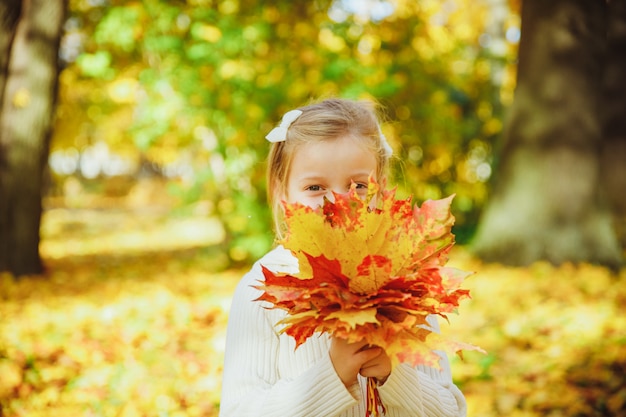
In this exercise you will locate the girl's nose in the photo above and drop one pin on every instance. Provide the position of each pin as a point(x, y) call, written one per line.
point(331, 193)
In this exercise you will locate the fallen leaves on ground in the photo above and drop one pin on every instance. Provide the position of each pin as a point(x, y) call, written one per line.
point(113, 329)
point(110, 331)
point(555, 337)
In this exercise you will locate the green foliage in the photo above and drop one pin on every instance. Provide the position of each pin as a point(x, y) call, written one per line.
point(97, 65)
point(156, 79)
point(118, 28)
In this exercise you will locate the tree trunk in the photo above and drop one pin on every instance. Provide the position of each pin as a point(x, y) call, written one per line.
point(546, 202)
point(614, 145)
point(30, 73)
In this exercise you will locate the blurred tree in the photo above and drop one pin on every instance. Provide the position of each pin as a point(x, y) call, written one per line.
point(30, 31)
point(613, 157)
point(548, 201)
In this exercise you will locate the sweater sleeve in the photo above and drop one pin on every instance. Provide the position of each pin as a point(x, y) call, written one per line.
point(252, 385)
point(424, 391)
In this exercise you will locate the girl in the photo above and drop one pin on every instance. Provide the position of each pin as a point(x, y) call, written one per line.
point(318, 149)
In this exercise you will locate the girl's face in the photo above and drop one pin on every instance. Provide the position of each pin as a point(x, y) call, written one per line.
point(320, 168)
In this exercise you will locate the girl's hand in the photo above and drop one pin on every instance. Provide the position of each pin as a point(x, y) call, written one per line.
point(350, 359)
point(379, 367)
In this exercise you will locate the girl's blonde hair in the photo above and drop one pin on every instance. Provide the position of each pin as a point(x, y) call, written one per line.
point(324, 121)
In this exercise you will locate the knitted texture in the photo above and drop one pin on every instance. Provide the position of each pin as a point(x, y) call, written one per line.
point(266, 376)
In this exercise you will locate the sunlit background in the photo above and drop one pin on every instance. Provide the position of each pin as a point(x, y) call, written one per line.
point(183, 93)
point(156, 205)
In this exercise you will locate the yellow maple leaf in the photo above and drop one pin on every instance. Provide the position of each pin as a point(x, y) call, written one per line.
point(370, 272)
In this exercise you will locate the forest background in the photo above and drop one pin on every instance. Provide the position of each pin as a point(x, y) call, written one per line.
point(156, 201)
point(187, 93)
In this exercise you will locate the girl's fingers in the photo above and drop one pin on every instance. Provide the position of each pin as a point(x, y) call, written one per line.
point(366, 355)
point(379, 366)
point(349, 358)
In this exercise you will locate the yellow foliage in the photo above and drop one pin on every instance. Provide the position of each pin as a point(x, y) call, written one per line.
point(123, 90)
point(550, 332)
point(141, 322)
point(208, 33)
point(331, 41)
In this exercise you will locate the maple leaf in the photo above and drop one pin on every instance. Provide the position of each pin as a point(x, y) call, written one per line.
point(370, 273)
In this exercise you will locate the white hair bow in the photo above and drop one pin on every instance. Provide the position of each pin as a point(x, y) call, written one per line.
point(386, 146)
point(279, 134)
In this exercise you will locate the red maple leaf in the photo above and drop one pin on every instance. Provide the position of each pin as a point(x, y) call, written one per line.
point(370, 274)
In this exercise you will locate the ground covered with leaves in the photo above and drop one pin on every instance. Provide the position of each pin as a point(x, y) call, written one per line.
point(130, 320)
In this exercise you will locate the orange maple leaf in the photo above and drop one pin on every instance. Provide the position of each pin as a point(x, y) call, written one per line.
point(370, 273)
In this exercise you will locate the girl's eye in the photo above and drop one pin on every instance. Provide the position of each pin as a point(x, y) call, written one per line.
point(361, 185)
point(314, 188)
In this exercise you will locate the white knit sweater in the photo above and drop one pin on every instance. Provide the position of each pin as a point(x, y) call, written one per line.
point(265, 376)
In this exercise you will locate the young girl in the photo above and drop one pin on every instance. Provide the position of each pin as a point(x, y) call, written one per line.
point(316, 150)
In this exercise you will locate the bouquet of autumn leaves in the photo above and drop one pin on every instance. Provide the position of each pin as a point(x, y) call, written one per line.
point(370, 274)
